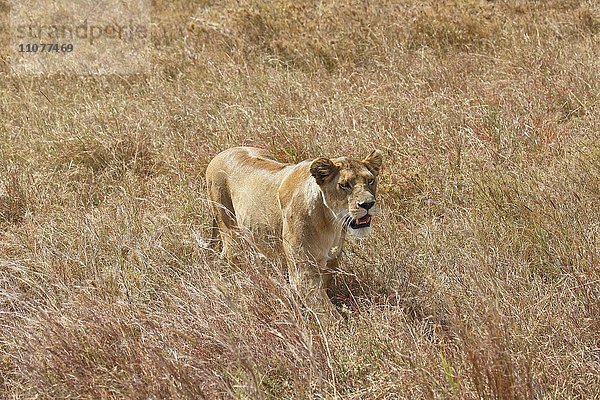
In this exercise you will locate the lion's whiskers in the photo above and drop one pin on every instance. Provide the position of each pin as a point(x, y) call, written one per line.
point(343, 220)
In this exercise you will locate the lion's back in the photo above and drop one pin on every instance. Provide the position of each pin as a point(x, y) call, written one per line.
point(246, 179)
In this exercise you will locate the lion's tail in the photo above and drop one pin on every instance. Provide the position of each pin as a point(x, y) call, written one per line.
point(214, 233)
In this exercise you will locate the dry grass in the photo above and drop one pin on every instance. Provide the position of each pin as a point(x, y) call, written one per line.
point(482, 280)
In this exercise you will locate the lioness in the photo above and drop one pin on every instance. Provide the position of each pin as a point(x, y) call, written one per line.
point(306, 208)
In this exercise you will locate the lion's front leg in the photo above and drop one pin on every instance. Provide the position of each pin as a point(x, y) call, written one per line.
point(310, 282)
point(310, 287)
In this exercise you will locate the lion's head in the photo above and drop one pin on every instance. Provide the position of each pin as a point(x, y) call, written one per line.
point(349, 189)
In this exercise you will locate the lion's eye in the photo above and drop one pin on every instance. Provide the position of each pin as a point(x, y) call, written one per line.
point(345, 186)
point(371, 182)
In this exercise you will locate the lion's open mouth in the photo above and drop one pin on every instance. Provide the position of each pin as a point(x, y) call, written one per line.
point(361, 222)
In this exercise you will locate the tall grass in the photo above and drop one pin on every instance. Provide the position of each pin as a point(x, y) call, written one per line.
point(480, 281)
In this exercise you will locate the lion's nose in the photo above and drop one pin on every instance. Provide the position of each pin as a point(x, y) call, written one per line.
point(366, 204)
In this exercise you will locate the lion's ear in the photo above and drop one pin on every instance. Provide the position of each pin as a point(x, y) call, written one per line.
point(374, 161)
point(322, 168)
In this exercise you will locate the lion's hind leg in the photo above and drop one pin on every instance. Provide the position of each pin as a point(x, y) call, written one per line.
point(224, 222)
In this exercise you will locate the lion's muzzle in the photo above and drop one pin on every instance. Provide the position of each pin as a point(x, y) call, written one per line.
point(362, 222)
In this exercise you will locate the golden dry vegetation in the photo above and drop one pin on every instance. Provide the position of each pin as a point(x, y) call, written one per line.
point(481, 280)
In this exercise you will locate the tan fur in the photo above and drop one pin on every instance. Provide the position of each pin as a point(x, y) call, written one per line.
point(300, 208)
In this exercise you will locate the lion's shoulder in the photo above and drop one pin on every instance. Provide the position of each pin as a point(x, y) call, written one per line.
point(297, 183)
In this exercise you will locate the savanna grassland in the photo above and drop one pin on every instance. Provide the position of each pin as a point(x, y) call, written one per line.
point(481, 279)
